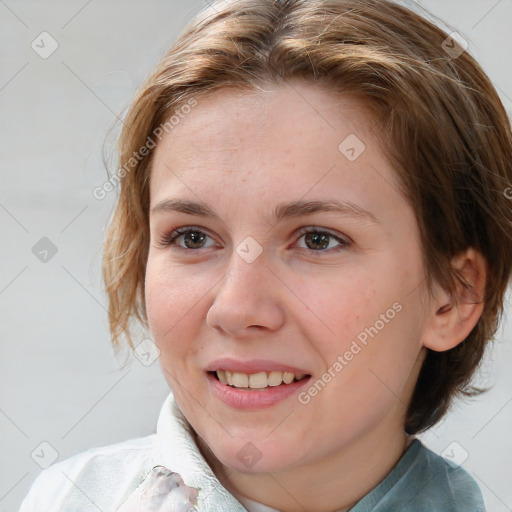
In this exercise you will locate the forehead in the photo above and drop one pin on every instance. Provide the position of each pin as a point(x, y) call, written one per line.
point(288, 140)
point(233, 120)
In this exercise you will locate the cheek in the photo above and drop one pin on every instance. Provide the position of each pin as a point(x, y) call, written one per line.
point(172, 300)
point(174, 312)
point(379, 358)
point(339, 309)
point(365, 320)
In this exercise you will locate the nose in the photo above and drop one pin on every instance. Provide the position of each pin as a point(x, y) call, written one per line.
point(247, 301)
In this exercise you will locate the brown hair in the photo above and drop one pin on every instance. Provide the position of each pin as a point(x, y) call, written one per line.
point(437, 115)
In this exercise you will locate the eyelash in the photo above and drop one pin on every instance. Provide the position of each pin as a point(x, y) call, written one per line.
point(169, 240)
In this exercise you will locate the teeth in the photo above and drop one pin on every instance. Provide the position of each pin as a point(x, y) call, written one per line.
point(288, 377)
point(275, 378)
point(258, 380)
point(240, 380)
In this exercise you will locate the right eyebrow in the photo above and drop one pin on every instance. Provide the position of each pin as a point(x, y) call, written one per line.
point(184, 206)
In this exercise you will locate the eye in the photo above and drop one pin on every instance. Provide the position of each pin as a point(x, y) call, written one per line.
point(193, 239)
point(317, 240)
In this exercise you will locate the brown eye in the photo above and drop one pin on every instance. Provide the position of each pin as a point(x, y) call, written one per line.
point(194, 239)
point(187, 239)
point(319, 241)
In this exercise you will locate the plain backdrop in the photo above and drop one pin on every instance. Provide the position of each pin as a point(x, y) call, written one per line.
point(62, 388)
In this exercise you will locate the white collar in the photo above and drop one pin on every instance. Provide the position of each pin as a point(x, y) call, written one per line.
point(178, 451)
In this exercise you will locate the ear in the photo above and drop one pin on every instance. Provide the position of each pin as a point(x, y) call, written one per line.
point(451, 319)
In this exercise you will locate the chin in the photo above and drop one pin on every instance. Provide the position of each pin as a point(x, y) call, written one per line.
point(250, 458)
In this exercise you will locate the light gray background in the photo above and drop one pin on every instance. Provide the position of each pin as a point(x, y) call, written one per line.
point(60, 381)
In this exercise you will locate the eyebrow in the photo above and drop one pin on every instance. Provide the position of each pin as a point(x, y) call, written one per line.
point(281, 211)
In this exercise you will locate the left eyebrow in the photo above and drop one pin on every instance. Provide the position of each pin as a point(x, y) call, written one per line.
point(281, 211)
point(302, 208)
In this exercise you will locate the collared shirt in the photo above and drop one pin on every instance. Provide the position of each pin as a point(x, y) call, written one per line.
point(168, 464)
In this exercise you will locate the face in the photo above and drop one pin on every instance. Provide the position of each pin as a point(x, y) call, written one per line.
point(295, 253)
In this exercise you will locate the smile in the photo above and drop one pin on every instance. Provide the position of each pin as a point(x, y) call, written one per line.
point(260, 380)
point(255, 390)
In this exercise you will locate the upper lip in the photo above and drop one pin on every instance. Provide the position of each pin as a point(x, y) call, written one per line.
point(252, 366)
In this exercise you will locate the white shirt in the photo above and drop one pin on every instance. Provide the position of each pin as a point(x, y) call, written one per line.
point(101, 479)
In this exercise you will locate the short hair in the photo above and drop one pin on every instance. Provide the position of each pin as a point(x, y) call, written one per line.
point(437, 116)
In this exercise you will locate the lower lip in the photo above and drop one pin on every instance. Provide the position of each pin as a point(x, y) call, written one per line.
point(244, 399)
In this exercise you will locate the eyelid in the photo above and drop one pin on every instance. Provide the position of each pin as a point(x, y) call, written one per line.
point(317, 229)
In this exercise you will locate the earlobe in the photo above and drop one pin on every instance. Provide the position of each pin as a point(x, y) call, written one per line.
point(452, 318)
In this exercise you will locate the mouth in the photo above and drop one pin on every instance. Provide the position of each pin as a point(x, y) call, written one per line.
point(257, 381)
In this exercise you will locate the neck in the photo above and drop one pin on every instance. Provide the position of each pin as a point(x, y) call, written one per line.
point(358, 468)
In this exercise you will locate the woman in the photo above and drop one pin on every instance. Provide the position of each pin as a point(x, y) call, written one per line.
point(312, 224)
